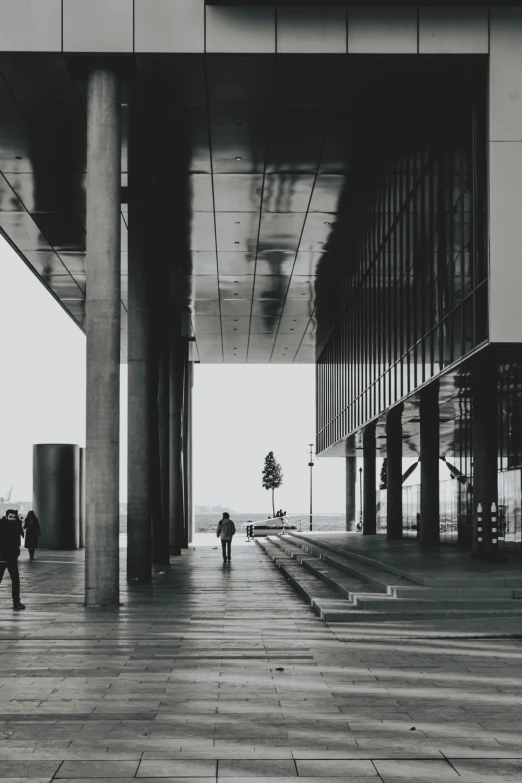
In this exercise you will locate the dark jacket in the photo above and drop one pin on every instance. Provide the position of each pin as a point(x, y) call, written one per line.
point(10, 535)
point(32, 532)
point(226, 530)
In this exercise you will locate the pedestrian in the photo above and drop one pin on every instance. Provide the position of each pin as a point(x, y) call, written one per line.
point(32, 533)
point(225, 531)
point(10, 534)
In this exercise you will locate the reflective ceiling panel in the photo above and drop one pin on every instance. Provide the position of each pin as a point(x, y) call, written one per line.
point(259, 159)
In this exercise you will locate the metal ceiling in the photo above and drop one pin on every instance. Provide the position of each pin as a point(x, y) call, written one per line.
point(266, 165)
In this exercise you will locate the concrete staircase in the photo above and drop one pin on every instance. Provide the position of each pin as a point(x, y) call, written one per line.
point(345, 586)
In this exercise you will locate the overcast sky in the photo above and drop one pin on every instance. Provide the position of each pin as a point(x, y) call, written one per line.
point(240, 412)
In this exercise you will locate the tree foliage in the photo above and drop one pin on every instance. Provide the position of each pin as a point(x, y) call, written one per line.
point(384, 475)
point(272, 475)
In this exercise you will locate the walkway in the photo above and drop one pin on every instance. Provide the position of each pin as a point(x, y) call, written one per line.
point(223, 673)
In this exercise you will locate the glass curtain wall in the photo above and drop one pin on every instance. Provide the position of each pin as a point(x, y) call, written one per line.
point(510, 456)
point(413, 298)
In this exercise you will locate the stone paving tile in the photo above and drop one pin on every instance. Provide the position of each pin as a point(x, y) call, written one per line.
point(208, 673)
point(161, 768)
point(336, 767)
point(256, 768)
point(97, 769)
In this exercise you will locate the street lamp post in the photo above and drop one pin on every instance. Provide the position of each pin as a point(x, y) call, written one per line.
point(311, 465)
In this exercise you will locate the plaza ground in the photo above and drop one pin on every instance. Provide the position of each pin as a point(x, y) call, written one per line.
point(224, 673)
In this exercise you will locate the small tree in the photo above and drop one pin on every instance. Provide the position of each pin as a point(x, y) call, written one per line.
point(272, 475)
point(384, 475)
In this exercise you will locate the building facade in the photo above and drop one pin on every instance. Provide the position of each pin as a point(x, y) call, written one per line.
point(256, 182)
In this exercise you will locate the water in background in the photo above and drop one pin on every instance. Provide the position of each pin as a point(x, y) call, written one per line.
point(207, 522)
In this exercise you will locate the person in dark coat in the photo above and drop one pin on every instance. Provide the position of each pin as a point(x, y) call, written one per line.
point(10, 534)
point(226, 531)
point(32, 533)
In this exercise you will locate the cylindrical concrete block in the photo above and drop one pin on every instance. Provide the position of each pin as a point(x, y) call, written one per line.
point(82, 498)
point(56, 494)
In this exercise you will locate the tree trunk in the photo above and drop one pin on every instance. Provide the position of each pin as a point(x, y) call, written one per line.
point(273, 507)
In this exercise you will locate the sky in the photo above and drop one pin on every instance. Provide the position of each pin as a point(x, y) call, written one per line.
point(240, 412)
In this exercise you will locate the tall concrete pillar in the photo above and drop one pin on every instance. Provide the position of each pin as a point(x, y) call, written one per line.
point(161, 539)
point(103, 337)
point(184, 433)
point(369, 481)
point(351, 485)
point(175, 434)
point(187, 451)
point(140, 368)
point(485, 460)
point(394, 473)
point(429, 531)
point(82, 498)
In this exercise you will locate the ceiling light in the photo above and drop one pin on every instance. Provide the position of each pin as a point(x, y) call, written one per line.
point(238, 157)
point(319, 243)
point(236, 243)
point(327, 224)
point(237, 223)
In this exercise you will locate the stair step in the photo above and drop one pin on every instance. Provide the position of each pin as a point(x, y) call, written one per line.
point(313, 580)
point(310, 587)
point(403, 604)
point(377, 578)
point(346, 585)
point(445, 593)
point(387, 570)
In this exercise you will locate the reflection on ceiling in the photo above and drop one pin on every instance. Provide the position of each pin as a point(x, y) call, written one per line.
point(267, 162)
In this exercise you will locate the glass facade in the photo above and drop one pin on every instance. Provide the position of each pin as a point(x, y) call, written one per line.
point(410, 295)
point(510, 454)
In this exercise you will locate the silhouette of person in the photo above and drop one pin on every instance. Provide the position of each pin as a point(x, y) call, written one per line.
point(226, 531)
point(10, 534)
point(32, 533)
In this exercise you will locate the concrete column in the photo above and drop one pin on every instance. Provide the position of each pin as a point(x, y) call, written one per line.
point(161, 540)
point(175, 485)
point(139, 522)
point(485, 459)
point(184, 452)
point(82, 498)
point(103, 337)
point(369, 481)
point(429, 532)
point(190, 458)
point(351, 485)
point(394, 473)
point(187, 451)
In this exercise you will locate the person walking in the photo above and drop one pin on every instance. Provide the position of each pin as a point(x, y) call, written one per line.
point(10, 534)
point(226, 531)
point(32, 533)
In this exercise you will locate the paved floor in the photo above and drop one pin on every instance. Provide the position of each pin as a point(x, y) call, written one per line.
point(217, 672)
